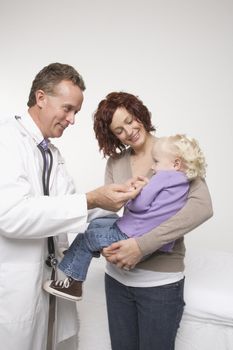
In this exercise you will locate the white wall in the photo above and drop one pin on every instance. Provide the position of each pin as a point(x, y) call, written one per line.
point(175, 55)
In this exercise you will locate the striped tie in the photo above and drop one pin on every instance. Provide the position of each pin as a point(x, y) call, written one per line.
point(44, 144)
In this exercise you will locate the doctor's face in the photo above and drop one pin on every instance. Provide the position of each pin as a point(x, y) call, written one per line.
point(58, 111)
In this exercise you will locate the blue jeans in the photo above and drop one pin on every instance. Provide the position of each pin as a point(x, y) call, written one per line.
point(143, 318)
point(100, 233)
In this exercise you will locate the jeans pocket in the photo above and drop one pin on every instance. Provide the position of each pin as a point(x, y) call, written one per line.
point(174, 292)
point(174, 285)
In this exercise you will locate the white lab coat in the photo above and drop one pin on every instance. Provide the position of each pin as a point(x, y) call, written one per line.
point(26, 219)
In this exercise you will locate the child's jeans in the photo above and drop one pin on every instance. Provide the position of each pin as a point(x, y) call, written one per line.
point(100, 233)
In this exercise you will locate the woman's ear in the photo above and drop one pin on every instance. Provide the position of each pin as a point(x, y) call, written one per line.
point(177, 164)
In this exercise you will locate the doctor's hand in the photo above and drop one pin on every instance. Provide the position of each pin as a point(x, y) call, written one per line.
point(125, 254)
point(111, 197)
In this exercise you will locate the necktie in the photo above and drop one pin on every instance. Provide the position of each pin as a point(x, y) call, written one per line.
point(44, 144)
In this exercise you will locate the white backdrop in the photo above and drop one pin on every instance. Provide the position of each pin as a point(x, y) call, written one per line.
point(176, 55)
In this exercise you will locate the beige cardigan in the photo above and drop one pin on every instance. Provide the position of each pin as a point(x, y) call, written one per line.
point(197, 210)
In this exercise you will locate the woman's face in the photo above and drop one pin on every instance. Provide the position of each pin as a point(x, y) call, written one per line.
point(127, 129)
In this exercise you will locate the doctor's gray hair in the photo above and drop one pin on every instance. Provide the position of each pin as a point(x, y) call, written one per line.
point(50, 76)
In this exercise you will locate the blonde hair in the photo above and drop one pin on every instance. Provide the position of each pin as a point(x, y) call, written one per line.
point(193, 162)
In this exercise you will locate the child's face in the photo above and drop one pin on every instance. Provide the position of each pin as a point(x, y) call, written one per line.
point(163, 160)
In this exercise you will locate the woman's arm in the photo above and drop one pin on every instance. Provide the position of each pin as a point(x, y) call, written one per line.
point(197, 210)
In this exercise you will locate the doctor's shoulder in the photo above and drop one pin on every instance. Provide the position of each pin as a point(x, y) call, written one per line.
point(11, 140)
point(9, 132)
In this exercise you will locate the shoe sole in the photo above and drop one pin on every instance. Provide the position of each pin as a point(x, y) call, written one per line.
point(60, 294)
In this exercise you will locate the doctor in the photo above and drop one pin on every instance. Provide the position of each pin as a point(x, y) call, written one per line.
point(38, 200)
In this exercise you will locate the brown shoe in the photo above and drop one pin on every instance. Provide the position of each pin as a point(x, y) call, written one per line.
point(68, 288)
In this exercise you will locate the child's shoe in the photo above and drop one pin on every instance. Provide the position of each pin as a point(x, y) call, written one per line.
point(68, 288)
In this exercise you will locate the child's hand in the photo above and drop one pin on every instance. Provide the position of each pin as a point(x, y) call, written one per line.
point(137, 183)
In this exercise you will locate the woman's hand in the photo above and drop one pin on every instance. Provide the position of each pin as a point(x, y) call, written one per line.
point(125, 254)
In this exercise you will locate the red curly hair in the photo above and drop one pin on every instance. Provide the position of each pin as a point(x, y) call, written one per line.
point(109, 144)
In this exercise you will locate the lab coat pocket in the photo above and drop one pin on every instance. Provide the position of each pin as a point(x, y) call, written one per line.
point(20, 291)
point(62, 180)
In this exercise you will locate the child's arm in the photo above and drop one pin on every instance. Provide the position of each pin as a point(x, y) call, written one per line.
point(148, 194)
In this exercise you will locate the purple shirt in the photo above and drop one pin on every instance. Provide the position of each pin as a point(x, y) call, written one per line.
point(164, 195)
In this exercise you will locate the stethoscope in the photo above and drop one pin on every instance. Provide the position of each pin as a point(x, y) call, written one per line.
point(46, 172)
point(51, 261)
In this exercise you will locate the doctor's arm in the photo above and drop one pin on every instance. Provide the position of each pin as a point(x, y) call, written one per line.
point(111, 197)
point(26, 213)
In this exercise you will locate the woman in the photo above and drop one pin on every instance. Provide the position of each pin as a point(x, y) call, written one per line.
point(144, 303)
